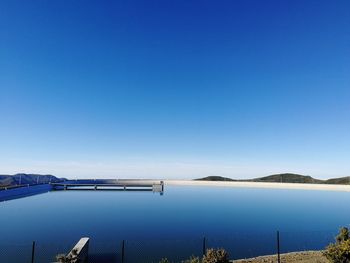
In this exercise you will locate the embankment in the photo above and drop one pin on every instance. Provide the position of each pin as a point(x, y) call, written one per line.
point(18, 192)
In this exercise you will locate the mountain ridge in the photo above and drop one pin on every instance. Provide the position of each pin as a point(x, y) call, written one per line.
point(282, 178)
point(23, 179)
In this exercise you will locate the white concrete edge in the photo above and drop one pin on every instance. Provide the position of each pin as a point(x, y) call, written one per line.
point(295, 186)
point(81, 247)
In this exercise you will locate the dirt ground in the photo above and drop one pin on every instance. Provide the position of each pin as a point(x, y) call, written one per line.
point(304, 257)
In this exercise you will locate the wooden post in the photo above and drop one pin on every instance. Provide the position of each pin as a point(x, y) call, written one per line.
point(123, 250)
point(278, 247)
point(204, 245)
point(33, 251)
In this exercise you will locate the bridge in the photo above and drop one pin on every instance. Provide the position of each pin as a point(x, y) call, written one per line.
point(110, 185)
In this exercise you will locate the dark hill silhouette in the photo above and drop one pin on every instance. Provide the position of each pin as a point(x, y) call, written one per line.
point(285, 178)
point(23, 179)
point(341, 180)
point(288, 178)
point(215, 178)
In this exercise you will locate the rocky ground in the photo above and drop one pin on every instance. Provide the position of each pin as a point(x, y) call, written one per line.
point(304, 257)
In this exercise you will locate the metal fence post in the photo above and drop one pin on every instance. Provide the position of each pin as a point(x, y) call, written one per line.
point(123, 250)
point(33, 251)
point(204, 245)
point(278, 247)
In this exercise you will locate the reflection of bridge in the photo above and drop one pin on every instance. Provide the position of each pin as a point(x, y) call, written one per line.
point(110, 184)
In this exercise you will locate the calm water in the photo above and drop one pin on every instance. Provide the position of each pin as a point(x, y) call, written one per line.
point(242, 220)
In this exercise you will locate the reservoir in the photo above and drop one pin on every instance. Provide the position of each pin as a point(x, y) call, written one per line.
point(174, 225)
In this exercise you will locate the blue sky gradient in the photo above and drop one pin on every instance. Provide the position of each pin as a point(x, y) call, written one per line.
point(175, 89)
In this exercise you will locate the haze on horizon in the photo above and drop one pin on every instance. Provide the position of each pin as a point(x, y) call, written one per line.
point(175, 89)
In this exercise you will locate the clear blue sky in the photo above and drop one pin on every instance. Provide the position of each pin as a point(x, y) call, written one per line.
point(175, 89)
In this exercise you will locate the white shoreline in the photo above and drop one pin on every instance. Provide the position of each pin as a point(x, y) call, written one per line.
point(295, 186)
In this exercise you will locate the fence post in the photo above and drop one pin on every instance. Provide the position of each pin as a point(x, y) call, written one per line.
point(33, 251)
point(123, 250)
point(204, 245)
point(278, 247)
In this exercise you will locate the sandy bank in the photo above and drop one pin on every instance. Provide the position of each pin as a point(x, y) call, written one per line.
point(322, 187)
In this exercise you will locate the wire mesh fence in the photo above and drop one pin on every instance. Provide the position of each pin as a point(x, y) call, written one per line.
point(103, 252)
point(12, 253)
point(245, 246)
point(238, 246)
point(47, 252)
point(304, 241)
point(154, 250)
point(33, 252)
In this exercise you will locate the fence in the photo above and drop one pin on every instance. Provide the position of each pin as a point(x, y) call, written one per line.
point(176, 250)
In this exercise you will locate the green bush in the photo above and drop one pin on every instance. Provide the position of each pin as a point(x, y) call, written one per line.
point(339, 252)
point(216, 256)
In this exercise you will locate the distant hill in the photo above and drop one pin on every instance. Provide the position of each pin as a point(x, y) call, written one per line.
point(288, 178)
point(283, 178)
point(341, 180)
point(22, 178)
point(215, 178)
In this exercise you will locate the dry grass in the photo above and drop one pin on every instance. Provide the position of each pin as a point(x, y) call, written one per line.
point(304, 257)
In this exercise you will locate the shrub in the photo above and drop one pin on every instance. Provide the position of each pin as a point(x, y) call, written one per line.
point(192, 259)
point(343, 235)
point(216, 256)
point(211, 256)
point(71, 258)
point(339, 252)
